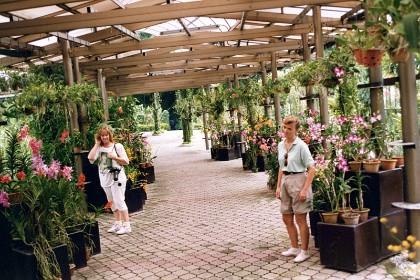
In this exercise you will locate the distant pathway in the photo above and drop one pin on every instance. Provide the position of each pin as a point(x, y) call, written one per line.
point(205, 219)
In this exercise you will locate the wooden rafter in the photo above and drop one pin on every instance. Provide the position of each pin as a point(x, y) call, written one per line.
point(146, 14)
point(182, 40)
point(199, 54)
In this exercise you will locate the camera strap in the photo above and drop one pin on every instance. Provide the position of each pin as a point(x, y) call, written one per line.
point(115, 148)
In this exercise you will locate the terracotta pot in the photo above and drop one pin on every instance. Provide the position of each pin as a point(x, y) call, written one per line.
point(148, 164)
point(364, 214)
point(358, 55)
point(388, 164)
point(355, 165)
point(351, 218)
point(341, 212)
point(371, 166)
point(329, 218)
point(400, 160)
point(372, 58)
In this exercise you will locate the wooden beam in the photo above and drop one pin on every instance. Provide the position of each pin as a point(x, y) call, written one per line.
point(13, 5)
point(199, 54)
point(67, 37)
point(183, 40)
point(202, 63)
point(118, 3)
point(191, 75)
point(126, 87)
point(146, 14)
point(302, 14)
point(11, 43)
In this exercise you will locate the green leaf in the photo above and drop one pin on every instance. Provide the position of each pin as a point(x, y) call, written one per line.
point(412, 31)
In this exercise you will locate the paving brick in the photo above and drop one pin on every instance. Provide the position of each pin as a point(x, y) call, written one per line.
point(205, 219)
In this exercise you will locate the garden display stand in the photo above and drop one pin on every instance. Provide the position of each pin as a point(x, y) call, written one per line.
point(349, 247)
point(149, 173)
point(24, 264)
point(383, 188)
point(260, 162)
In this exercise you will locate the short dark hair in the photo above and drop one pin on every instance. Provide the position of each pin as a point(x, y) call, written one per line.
point(292, 119)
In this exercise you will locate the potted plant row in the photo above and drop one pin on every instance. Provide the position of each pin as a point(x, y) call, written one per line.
point(52, 205)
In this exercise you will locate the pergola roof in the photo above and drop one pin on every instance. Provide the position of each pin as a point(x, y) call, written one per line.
point(188, 43)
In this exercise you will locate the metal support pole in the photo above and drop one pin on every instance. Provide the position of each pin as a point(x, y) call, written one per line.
point(410, 133)
point(277, 107)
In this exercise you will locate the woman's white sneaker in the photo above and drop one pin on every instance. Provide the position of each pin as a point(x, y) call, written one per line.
point(124, 229)
point(302, 257)
point(115, 227)
point(292, 252)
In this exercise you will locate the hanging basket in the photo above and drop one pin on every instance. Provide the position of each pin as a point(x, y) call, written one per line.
point(372, 58)
point(368, 58)
point(358, 55)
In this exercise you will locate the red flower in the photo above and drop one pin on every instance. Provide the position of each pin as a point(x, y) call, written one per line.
point(64, 136)
point(21, 175)
point(107, 206)
point(23, 132)
point(120, 110)
point(5, 179)
point(81, 181)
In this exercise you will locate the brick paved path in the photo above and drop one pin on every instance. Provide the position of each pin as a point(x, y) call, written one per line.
point(205, 219)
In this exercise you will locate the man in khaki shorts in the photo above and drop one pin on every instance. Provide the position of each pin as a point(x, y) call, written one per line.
point(295, 176)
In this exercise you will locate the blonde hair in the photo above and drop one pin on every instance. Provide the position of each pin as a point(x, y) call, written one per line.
point(106, 128)
point(292, 119)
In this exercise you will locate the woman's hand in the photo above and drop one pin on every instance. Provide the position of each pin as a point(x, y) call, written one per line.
point(112, 155)
point(302, 195)
point(278, 193)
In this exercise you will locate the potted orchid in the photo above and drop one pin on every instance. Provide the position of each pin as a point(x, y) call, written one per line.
point(52, 202)
point(381, 136)
point(398, 24)
point(330, 186)
point(252, 148)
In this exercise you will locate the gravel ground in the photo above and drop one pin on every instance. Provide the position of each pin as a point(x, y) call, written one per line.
point(402, 268)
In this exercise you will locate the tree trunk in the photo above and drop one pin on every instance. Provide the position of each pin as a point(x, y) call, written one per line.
point(186, 130)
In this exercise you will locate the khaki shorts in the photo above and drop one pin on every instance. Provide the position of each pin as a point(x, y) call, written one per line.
point(291, 185)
